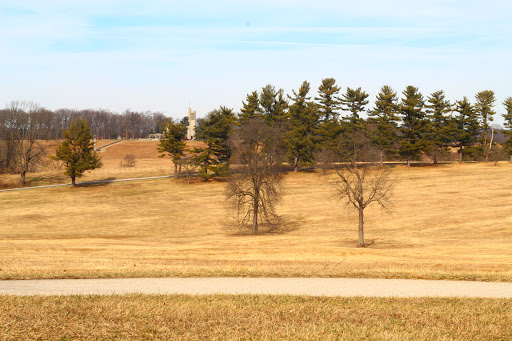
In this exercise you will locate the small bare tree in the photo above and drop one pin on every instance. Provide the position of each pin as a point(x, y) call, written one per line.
point(23, 125)
point(361, 181)
point(255, 187)
point(128, 161)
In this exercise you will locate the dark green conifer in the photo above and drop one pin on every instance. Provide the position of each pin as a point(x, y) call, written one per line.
point(303, 126)
point(77, 150)
point(384, 120)
point(414, 124)
point(173, 142)
point(441, 130)
point(251, 108)
point(273, 104)
point(354, 101)
point(214, 130)
point(328, 106)
point(484, 108)
point(466, 126)
point(508, 125)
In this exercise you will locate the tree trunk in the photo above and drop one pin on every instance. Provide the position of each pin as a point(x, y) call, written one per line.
point(175, 170)
point(486, 153)
point(510, 158)
point(22, 179)
point(296, 164)
point(255, 213)
point(435, 159)
point(361, 227)
point(73, 184)
point(382, 158)
point(460, 154)
point(408, 161)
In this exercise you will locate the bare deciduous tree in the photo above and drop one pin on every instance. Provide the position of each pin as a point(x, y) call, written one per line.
point(361, 181)
point(24, 130)
point(255, 187)
point(128, 161)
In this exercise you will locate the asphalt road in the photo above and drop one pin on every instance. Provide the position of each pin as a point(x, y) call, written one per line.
point(343, 287)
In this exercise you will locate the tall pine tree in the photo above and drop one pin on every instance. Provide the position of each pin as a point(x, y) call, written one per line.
point(214, 130)
point(384, 120)
point(508, 125)
point(414, 124)
point(484, 107)
point(466, 126)
point(273, 104)
point(250, 109)
point(303, 125)
point(354, 101)
point(441, 132)
point(328, 106)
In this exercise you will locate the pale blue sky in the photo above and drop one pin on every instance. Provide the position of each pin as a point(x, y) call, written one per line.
point(161, 55)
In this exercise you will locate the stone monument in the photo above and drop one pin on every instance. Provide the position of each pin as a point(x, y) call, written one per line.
point(191, 132)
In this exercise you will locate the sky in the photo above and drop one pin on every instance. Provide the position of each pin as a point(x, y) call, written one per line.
point(163, 56)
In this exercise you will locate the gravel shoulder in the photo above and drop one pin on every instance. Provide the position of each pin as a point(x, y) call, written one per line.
point(341, 287)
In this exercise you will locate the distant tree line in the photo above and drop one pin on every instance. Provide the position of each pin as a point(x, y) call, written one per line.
point(24, 124)
point(400, 127)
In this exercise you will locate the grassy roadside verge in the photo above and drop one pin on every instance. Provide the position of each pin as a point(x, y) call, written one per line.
point(252, 317)
point(133, 268)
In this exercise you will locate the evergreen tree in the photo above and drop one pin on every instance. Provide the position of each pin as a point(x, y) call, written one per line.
point(77, 150)
point(184, 121)
point(328, 106)
point(354, 101)
point(173, 142)
point(384, 117)
point(414, 124)
point(251, 108)
point(508, 125)
point(466, 126)
point(214, 131)
point(484, 107)
point(273, 104)
point(279, 114)
point(303, 125)
point(441, 130)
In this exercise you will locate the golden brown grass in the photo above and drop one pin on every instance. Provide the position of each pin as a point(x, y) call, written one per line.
point(449, 222)
point(252, 317)
point(147, 157)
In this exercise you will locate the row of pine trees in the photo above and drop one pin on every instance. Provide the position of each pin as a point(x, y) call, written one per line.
point(401, 127)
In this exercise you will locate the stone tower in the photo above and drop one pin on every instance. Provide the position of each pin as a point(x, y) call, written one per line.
point(191, 132)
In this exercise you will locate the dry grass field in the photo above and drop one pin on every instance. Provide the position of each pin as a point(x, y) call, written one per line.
point(449, 222)
point(155, 317)
point(148, 163)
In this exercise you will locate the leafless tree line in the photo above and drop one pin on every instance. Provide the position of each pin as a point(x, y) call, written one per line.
point(23, 125)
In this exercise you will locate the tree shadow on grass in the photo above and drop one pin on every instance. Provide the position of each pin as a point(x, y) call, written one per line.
point(98, 183)
point(282, 226)
point(46, 180)
point(375, 244)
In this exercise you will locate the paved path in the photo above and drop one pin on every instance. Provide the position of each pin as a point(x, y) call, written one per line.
point(345, 287)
